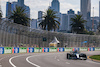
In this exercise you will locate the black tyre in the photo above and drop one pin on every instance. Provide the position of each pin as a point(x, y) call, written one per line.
point(68, 56)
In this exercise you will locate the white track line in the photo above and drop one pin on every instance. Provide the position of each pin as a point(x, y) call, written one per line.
point(27, 59)
point(67, 63)
point(15, 57)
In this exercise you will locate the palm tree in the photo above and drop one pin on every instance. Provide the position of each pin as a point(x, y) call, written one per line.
point(78, 24)
point(0, 16)
point(49, 21)
point(19, 16)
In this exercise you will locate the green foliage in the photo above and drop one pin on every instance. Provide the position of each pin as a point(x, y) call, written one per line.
point(49, 22)
point(19, 16)
point(0, 16)
point(88, 32)
point(78, 24)
point(96, 57)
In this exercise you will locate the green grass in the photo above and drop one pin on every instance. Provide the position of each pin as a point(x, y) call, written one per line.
point(96, 57)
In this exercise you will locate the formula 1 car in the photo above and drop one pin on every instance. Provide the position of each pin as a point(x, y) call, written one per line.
point(76, 55)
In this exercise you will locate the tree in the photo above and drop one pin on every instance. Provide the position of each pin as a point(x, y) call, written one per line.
point(19, 16)
point(49, 21)
point(78, 24)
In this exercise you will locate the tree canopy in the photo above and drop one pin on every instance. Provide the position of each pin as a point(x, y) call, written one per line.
point(49, 21)
point(19, 16)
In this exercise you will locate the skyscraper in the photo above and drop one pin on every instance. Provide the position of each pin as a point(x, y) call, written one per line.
point(86, 9)
point(99, 11)
point(86, 12)
point(21, 3)
point(8, 9)
point(55, 5)
point(40, 14)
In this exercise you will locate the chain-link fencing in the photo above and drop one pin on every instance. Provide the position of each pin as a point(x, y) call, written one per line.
point(15, 35)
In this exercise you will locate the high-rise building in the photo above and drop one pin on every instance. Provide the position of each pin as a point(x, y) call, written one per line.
point(99, 11)
point(71, 11)
point(27, 10)
point(86, 12)
point(86, 9)
point(13, 5)
point(55, 5)
point(21, 3)
point(40, 14)
point(33, 24)
point(71, 14)
point(64, 24)
point(8, 9)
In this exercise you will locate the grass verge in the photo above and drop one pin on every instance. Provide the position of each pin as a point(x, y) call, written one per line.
point(95, 57)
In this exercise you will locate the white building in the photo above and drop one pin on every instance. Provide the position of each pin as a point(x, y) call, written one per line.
point(33, 24)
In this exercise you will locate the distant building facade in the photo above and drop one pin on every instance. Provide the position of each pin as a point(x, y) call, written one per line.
point(71, 14)
point(99, 11)
point(8, 9)
point(86, 12)
point(21, 3)
point(55, 5)
point(40, 15)
point(33, 24)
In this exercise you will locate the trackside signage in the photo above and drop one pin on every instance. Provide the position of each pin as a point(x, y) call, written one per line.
point(97, 48)
point(16, 50)
point(37, 50)
point(52, 49)
point(22, 50)
point(91, 49)
point(1, 50)
point(45, 50)
point(83, 49)
point(7, 50)
point(68, 49)
point(31, 49)
point(60, 49)
point(76, 48)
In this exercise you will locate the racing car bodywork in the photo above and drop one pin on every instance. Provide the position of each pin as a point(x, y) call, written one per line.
point(76, 55)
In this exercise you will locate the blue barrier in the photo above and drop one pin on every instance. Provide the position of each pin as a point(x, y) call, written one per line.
point(78, 49)
point(91, 49)
point(31, 49)
point(46, 49)
point(1, 50)
point(16, 49)
point(60, 49)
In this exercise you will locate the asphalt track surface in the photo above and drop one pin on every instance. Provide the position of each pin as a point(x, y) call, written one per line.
point(45, 60)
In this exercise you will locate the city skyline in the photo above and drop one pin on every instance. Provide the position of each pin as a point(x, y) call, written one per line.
point(64, 6)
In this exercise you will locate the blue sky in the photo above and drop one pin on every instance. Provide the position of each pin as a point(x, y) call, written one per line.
point(42, 5)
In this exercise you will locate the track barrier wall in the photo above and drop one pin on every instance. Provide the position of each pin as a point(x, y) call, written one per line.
point(97, 49)
point(10, 50)
point(7, 50)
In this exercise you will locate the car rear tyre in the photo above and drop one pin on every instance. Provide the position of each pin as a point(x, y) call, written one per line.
point(68, 56)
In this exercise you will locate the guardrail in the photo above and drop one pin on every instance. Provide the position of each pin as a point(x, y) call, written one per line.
point(11, 50)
